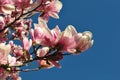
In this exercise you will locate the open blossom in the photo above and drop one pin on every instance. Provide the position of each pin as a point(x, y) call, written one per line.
point(50, 38)
point(6, 6)
point(40, 31)
point(4, 52)
point(66, 40)
point(42, 35)
point(84, 41)
point(26, 43)
point(51, 8)
point(37, 34)
point(17, 50)
point(46, 63)
point(11, 60)
point(73, 42)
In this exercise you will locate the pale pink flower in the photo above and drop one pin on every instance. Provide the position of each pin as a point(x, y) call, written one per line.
point(6, 6)
point(40, 31)
point(2, 22)
point(22, 4)
point(37, 34)
point(11, 60)
point(84, 41)
point(17, 50)
point(46, 63)
point(51, 9)
point(66, 40)
point(43, 35)
point(73, 42)
point(4, 52)
point(26, 43)
point(50, 38)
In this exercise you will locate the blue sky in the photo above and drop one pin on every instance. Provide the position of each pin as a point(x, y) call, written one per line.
point(100, 62)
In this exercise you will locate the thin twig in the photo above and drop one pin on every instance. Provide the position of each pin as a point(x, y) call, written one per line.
point(28, 70)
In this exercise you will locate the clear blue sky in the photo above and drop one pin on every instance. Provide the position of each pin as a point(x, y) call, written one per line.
point(100, 62)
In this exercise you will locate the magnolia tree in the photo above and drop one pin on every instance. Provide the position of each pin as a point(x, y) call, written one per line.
point(21, 44)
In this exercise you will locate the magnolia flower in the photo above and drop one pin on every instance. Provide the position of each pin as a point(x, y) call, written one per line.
point(37, 34)
point(17, 50)
point(2, 22)
point(51, 8)
point(4, 52)
point(73, 42)
point(66, 40)
point(26, 43)
point(46, 63)
point(40, 32)
point(44, 35)
point(84, 41)
point(22, 4)
point(11, 60)
point(50, 38)
point(6, 6)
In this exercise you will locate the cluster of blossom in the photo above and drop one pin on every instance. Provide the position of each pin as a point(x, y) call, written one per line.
point(21, 43)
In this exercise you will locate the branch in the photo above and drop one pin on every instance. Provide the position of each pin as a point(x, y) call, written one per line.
point(28, 70)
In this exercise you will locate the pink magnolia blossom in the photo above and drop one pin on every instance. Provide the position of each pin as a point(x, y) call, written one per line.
point(22, 4)
point(17, 50)
point(51, 8)
point(11, 60)
point(73, 42)
point(2, 22)
point(4, 52)
point(50, 38)
point(6, 6)
point(54, 36)
point(37, 34)
point(84, 41)
point(26, 43)
point(66, 40)
point(43, 35)
point(46, 63)
point(40, 31)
